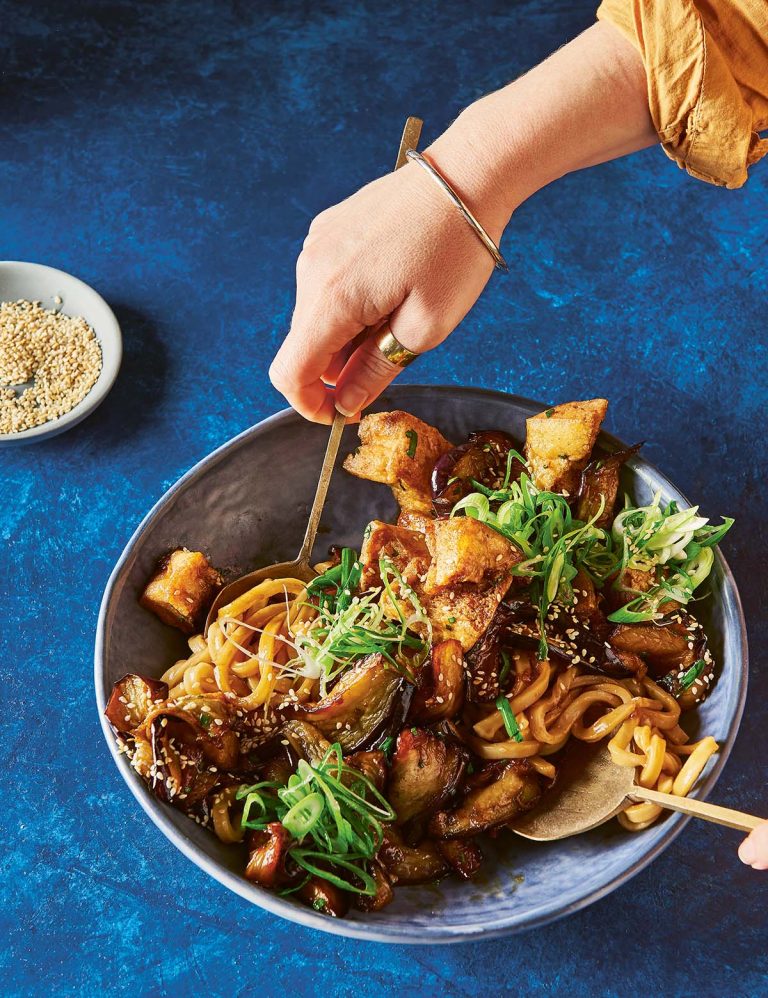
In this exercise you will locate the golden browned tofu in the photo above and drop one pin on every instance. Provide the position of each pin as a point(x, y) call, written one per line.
point(414, 520)
point(465, 550)
point(400, 451)
point(465, 612)
point(559, 442)
point(406, 549)
point(182, 589)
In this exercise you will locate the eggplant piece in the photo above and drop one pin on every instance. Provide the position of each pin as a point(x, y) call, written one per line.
point(360, 703)
point(424, 772)
point(463, 854)
point(482, 458)
point(694, 693)
point(371, 764)
point(570, 639)
point(404, 864)
point(305, 740)
point(674, 643)
point(132, 699)
point(324, 897)
point(515, 789)
point(214, 721)
point(696, 649)
point(277, 770)
point(600, 481)
point(441, 697)
point(384, 893)
point(181, 775)
point(484, 659)
point(267, 855)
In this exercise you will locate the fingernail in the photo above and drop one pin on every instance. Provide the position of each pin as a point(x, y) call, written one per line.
point(351, 399)
point(747, 852)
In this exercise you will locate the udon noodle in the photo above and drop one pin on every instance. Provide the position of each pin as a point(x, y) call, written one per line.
point(250, 652)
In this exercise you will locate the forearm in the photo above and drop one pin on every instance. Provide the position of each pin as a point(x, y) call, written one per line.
point(584, 105)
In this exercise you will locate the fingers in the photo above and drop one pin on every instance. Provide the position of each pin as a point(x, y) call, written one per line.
point(315, 350)
point(754, 849)
point(364, 378)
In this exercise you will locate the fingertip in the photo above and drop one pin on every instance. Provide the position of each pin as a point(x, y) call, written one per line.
point(754, 849)
point(351, 417)
point(747, 852)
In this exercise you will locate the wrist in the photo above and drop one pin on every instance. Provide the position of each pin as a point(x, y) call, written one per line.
point(489, 155)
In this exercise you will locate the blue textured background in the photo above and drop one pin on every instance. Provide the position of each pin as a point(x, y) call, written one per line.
point(172, 155)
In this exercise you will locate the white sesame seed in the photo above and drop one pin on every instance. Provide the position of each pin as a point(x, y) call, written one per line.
point(58, 353)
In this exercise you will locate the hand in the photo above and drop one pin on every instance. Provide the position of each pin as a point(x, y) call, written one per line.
point(398, 248)
point(754, 849)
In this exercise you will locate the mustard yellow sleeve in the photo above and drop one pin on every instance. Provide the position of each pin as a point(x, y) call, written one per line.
point(707, 68)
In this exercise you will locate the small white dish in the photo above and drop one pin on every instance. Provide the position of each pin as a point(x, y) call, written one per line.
point(56, 289)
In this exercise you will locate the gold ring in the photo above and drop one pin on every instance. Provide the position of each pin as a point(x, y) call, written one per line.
point(392, 348)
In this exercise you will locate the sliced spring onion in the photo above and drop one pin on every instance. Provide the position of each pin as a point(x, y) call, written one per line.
point(330, 578)
point(510, 721)
point(333, 813)
point(693, 674)
point(413, 440)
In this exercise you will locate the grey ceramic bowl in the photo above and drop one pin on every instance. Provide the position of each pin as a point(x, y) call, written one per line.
point(35, 282)
point(245, 505)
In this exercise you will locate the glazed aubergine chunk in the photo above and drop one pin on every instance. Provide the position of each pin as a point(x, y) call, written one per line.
point(424, 772)
point(359, 704)
point(483, 458)
point(514, 787)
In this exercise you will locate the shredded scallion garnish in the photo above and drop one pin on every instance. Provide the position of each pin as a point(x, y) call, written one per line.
point(510, 721)
point(334, 814)
point(675, 545)
point(693, 674)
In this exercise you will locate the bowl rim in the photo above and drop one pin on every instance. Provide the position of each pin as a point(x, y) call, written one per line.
point(108, 331)
point(376, 931)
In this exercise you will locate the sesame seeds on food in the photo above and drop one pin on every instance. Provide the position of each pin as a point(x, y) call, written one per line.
point(56, 358)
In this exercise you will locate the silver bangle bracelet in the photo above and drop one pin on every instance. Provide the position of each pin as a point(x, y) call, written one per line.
point(499, 261)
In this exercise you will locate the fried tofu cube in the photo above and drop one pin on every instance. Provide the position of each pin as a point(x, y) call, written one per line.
point(182, 589)
point(559, 442)
point(464, 550)
point(464, 613)
point(406, 549)
point(414, 520)
point(400, 451)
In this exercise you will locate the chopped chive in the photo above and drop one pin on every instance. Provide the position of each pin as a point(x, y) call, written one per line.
point(693, 674)
point(549, 413)
point(413, 440)
point(510, 721)
point(330, 578)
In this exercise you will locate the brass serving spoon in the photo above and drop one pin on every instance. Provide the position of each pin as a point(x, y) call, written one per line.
point(591, 789)
point(300, 567)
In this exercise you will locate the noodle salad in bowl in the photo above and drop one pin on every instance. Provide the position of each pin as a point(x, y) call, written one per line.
point(376, 726)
